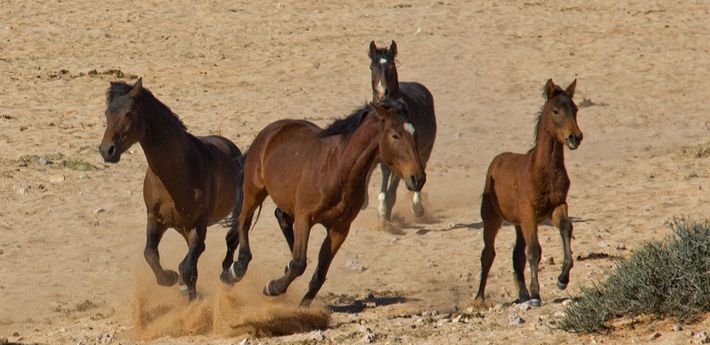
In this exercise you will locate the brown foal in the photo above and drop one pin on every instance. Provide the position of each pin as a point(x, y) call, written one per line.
point(190, 180)
point(317, 176)
point(526, 189)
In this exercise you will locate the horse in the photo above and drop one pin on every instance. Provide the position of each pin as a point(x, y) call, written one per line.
point(385, 84)
point(318, 176)
point(526, 189)
point(190, 180)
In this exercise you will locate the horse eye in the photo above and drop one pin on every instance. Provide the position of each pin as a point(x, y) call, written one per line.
point(395, 136)
point(556, 112)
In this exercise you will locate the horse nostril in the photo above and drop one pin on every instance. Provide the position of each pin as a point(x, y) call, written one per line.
point(111, 150)
point(579, 137)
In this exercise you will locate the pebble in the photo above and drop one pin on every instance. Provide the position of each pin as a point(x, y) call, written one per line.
point(621, 246)
point(316, 335)
point(244, 341)
point(654, 335)
point(43, 161)
point(567, 302)
point(550, 260)
point(701, 338)
point(368, 335)
point(355, 265)
point(677, 327)
point(515, 319)
point(99, 210)
point(524, 306)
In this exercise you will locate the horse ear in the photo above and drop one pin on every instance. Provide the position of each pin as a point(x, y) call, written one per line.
point(571, 87)
point(137, 88)
point(393, 49)
point(373, 50)
point(549, 88)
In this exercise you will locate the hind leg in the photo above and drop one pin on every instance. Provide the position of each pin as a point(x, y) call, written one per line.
point(491, 225)
point(335, 238)
point(561, 220)
point(232, 240)
point(286, 225)
point(297, 265)
point(188, 267)
point(534, 253)
point(154, 233)
point(519, 265)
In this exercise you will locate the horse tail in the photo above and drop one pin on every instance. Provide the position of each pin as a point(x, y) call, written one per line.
point(233, 219)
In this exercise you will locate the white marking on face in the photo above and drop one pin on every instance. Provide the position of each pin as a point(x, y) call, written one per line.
point(383, 61)
point(380, 87)
point(409, 127)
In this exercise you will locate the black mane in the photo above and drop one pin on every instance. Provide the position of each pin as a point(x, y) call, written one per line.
point(120, 88)
point(347, 125)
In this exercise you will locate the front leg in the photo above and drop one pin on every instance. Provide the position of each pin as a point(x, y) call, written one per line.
point(533, 253)
point(297, 265)
point(188, 267)
point(561, 220)
point(333, 240)
point(154, 233)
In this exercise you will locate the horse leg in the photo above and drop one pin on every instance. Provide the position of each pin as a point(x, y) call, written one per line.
point(382, 207)
point(491, 224)
point(562, 221)
point(188, 267)
point(297, 265)
point(367, 184)
point(335, 238)
point(417, 207)
point(232, 240)
point(519, 265)
point(534, 253)
point(154, 233)
point(238, 269)
point(286, 225)
point(391, 196)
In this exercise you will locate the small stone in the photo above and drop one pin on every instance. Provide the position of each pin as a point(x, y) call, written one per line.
point(22, 190)
point(701, 338)
point(355, 265)
point(99, 210)
point(56, 178)
point(677, 327)
point(470, 310)
point(244, 341)
point(621, 246)
point(368, 335)
point(559, 314)
point(456, 319)
point(316, 335)
point(524, 306)
point(550, 260)
point(43, 161)
point(515, 319)
point(567, 302)
point(654, 335)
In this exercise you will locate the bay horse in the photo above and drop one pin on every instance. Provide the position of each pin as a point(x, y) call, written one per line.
point(385, 84)
point(190, 180)
point(526, 189)
point(318, 176)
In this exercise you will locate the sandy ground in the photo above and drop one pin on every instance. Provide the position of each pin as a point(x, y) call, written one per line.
point(72, 229)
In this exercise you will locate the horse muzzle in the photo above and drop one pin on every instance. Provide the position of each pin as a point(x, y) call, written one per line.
point(110, 153)
point(573, 141)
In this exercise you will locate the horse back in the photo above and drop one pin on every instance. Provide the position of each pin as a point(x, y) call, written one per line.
point(421, 108)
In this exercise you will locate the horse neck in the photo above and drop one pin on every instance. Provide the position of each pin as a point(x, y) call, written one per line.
point(166, 145)
point(548, 154)
point(357, 153)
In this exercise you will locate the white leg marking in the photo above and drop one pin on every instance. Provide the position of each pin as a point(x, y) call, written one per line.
point(417, 207)
point(232, 274)
point(417, 199)
point(382, 207)
point(183, 288)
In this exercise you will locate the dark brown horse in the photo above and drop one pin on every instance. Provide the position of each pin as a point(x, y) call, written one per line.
point(526, 189)
point(190, 180)
point(420, 102)
point(318, 176)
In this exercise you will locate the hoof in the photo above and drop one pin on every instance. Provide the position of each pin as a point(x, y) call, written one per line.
point(224, 278)
point(561, 285)
point(270, 289)
point(534, 302)
point(233, 274)
point(305, 302)
point(169, 278)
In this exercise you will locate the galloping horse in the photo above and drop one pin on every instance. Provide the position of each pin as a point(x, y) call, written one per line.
point(318, 176)
point(526, 189)
point(385, 83)
point(190, 180)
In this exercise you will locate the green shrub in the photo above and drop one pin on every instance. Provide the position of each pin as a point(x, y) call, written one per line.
point(668, 278)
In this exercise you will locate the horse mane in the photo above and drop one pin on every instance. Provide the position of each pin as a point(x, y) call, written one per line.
point(120, 88)
point(347, 125)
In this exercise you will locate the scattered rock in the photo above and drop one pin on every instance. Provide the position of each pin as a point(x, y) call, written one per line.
point(550, 260)
point(567, 302)
point(677, 327)
point(368, 335)
point(355, 265)
point(99, 210)
point(316, 335)
point(515, 319)
point(654, 335)
point(559, 314)
point(43, 161)
point(244, 341)
point(701, 338)
point(621, 246)
point(524, 306)
point(22, 190)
